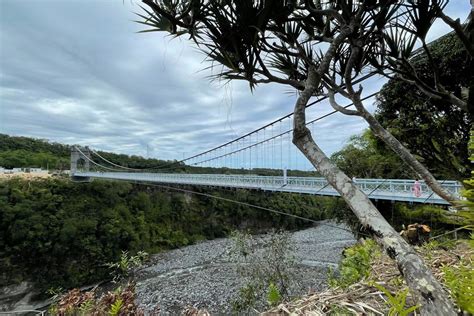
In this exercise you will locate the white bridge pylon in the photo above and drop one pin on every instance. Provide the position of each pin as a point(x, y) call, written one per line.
point(380, 189)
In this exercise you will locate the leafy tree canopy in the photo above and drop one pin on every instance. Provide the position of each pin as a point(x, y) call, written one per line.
point(365, 157)
point(434, 130)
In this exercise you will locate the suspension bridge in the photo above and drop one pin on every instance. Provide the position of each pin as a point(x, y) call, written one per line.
point(264, 159)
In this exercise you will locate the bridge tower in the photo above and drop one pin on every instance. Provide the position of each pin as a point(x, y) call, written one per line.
point(80, 163)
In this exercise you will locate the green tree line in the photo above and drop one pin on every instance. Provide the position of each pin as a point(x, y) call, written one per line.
point(20, 151)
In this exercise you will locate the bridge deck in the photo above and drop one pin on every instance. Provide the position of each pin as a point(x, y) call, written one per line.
point(383, 189)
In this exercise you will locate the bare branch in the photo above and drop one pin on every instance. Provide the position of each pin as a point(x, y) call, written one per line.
point(327, 12)
point(272, 78)
point(312, 83)
point(339, 108)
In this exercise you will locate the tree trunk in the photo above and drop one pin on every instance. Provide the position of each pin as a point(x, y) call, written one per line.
point(419, 278)
point(381, 132)
point(402, 152)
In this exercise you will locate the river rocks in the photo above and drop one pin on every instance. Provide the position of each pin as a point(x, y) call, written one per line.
point(204, 275)
point(20, 297)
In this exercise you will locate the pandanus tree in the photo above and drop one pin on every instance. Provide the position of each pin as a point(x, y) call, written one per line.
point(316, 47)
point(409, 114)
point(411, 30)
point(386, 48)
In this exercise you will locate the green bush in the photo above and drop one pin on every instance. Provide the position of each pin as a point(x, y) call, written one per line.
point(122, 267)
point(397, 302)
point(460, 281)
point(355, 265)
point(273, 295)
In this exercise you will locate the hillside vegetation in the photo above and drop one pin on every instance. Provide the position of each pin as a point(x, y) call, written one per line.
point(19, 151)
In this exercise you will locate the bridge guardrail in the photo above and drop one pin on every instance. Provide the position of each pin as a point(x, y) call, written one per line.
point(388, 189)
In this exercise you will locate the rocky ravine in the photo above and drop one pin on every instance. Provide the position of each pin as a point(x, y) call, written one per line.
point(204, 276)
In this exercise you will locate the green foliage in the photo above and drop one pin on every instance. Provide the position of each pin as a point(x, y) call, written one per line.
point(434, 216)
point(409, 115)
point(436, 244)
point(86, 307)
point(273, 295)
point(122, 267)
point(248, 296)
point(467, 206)
point(11, 143)
point(365, 157)
point(397, 301)
point(355, 265)
point(460, 281)
point(116, 307)
point(20, 151)
point(53, 309)
point(23, 158)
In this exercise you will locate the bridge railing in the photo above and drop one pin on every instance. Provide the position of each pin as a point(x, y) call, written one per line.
point(373, 187)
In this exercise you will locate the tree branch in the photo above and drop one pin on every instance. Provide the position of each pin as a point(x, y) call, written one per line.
point(438, 93)
point(457, 27)
point(337, 107)
point(328, 12)
point(432, 64)
point(272, 78)
point(312, 82)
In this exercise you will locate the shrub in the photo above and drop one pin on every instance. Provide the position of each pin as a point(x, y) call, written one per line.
point(273, 295)
point(122, 268)
point(264, 263)
point(397, 301)
point(119, 302)
point(460, 281)
point(355, 265)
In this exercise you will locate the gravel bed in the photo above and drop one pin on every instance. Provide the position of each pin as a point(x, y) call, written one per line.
point(204, 276)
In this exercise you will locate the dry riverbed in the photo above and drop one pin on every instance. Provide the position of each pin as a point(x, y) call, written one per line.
point(205, 275)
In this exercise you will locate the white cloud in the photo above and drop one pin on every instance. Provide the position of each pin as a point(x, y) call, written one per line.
point(76, 72)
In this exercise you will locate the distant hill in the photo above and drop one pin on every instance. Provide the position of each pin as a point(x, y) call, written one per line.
point(20, 151)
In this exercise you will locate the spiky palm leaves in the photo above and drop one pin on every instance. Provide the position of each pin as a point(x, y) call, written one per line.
point(250, 39)
point(262, 41)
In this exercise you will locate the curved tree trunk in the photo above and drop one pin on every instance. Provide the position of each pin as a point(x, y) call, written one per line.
point(381, 132)
point(419, 278)
point(402, 151)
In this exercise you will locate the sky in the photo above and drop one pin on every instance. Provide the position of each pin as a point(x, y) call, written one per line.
point(77, 72)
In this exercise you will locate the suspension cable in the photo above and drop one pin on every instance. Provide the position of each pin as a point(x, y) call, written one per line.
point(95, 163)
point(173, 165)
point(113, 164)
point(246, 204)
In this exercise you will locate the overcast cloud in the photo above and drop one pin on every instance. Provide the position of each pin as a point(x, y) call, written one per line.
point(77, 72)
